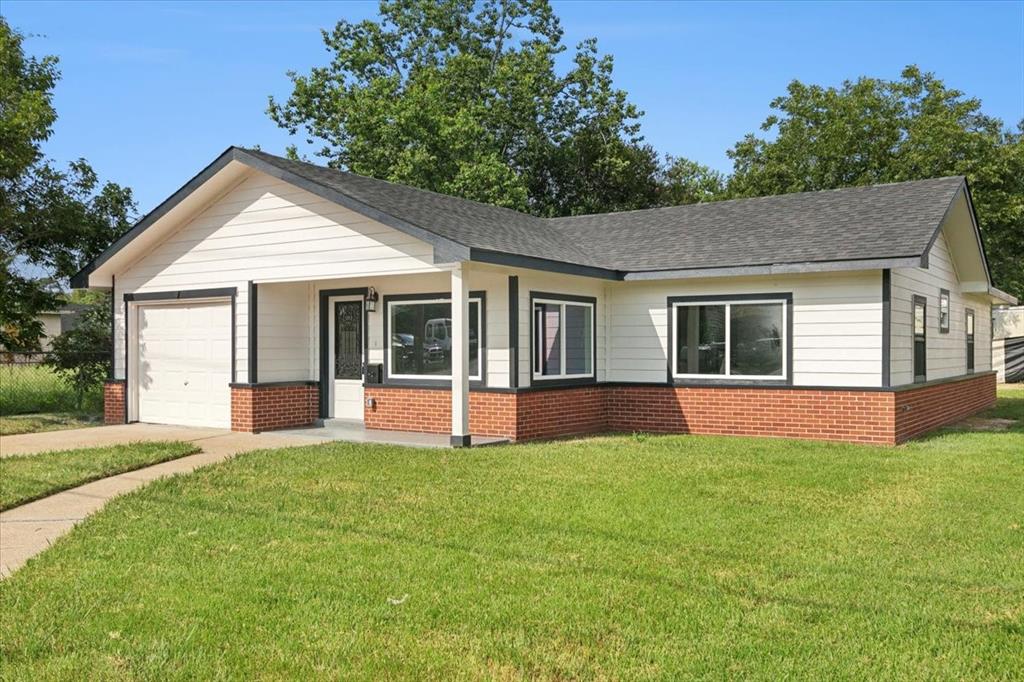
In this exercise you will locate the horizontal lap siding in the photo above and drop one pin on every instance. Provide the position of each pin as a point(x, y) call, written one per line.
point(946, 353)
point(837, 325)
point(283, 332)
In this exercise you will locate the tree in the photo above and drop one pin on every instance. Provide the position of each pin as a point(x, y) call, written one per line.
point(54, 221)
point(81, 356)
point(687, 182)
point(464, 98)
point(874, 131)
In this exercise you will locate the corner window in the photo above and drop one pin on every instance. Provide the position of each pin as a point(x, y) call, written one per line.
point(920, 338)
point(421, 338)
point(969, 327)
point(563, 339)
point(943, 311)
point(743, 339)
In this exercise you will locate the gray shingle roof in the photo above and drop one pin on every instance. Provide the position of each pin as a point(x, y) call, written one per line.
point(860, 223)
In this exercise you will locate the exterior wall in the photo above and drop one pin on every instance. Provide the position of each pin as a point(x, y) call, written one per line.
point(265, 230)
point(946, 354)
point(283, 332)
point(880, 417)
point(837, 324)
point(113, 402)
point(262, 408)
point(51, 329)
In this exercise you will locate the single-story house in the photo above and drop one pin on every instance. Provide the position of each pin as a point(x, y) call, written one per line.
point(270, 293)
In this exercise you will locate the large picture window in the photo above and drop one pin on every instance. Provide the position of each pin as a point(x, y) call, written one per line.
point(563, 343)
point(421, 338)
point(721, 339)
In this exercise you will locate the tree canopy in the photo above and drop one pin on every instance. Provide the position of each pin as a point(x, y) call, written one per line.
point(54, 220)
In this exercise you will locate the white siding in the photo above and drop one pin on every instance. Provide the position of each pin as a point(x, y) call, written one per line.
point(946, 352)
point(283, 332)
point(837, 325)
point(267, 230)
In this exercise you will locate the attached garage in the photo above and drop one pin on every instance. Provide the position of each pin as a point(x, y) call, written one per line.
point(184, 363)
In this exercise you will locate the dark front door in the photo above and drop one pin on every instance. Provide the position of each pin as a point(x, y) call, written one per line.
point(348, 340)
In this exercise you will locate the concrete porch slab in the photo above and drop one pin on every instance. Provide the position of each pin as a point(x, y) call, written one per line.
point(355, 432)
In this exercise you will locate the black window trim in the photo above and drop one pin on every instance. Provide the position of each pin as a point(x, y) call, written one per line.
point(563, 298)
point(785, 297)
point(970, 346)
point(919, 378)
point(944, 295)
point(425, 380)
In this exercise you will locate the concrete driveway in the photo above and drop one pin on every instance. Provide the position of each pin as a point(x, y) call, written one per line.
point(29, 529)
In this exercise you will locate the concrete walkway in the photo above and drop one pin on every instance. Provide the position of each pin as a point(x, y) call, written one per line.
point(29, 529)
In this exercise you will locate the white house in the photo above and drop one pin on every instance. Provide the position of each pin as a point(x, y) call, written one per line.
point(269, 293)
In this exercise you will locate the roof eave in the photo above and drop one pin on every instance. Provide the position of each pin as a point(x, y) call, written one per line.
point(777, 268)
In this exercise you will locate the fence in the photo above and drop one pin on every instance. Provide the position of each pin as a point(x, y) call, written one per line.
point(28, 385)
point(1008, 358)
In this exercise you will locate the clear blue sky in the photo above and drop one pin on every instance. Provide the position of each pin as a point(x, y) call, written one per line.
point(152, 92)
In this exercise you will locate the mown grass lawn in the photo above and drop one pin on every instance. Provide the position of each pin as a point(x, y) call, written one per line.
point(35, 423)
point(617, 557)
point(24, 478)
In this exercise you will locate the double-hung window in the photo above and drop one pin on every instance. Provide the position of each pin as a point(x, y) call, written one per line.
point(743, 338)
point(563, 337)
point(919, 321)
point(943, 311)
point(969, 328)
point(420, 330)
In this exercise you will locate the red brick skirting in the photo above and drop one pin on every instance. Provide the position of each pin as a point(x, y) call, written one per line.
point(113, 401)
point(871, 416)
point(262, 407)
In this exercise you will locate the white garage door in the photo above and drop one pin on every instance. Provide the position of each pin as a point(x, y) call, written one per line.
point(185, 364)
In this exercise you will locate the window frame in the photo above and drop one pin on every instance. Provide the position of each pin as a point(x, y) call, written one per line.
point(433, 379)
point(970, 330)
point(944, 296)
point(923, 377)
point(783, 298)
point(562, 379)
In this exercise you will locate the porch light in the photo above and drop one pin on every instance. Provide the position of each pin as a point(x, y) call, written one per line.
point(371, 300)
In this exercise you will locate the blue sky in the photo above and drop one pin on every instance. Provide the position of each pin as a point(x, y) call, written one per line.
point(152, 92)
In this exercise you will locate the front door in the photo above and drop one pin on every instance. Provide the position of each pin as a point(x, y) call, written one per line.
point(347, 344)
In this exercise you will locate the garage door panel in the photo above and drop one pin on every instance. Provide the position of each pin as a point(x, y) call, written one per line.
point(185, 364)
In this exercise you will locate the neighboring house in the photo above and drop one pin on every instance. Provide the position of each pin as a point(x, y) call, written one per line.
point(1008, 343)
point(59, 321)
point(268, 293)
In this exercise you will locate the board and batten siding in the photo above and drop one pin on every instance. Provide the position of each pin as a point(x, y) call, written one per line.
point(266, 230)
point(837, 325)
point(946, 353)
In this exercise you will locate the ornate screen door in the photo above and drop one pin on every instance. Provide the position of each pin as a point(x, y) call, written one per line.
point(347, 347)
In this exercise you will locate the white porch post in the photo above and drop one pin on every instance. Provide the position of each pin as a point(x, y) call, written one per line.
point(460, 355)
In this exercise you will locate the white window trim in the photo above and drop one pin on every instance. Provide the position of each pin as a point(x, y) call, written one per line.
point(538, 376)
point(434, 377)
point(728, 340)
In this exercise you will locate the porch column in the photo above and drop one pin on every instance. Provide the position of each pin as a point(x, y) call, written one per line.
point(460, 355)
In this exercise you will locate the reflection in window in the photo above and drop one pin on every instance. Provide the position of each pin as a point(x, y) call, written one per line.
point(700, 331)
point(563, 339)
point(731, 339)
point(756, 339)
point(421, 339)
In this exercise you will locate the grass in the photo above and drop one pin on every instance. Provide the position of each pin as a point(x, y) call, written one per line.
point(35, 423)
point(616, 557)
point(27, 389)
point(24, 478)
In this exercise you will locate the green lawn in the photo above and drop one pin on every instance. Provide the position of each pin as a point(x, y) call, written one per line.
point(34, 423)
point(24, 478)
point(29, 389)
point(617, 557)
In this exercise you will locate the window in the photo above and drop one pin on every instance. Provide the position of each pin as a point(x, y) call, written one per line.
point(421, 338)
point(743, 339)
point(943, 311)
point(563, 338)
point(920, 349)
point(969, 327)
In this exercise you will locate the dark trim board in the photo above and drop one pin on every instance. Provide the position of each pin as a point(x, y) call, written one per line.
point(461, 441)
point(886, 326)
point(273, 384)
point(252, 355)
point(445, 383)
point(534, 263)
point(513, 331)
point(325, 352)
point(113, 328)
point(783, 296)
point(567, 381)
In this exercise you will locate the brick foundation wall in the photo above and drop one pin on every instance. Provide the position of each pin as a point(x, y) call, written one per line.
point(878, 417)
point(113, 401)
point(256, 408)
point(920, 410)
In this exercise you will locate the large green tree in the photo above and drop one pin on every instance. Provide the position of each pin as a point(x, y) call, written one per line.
point(54, 220)
point(874, 131)
point(465, 97)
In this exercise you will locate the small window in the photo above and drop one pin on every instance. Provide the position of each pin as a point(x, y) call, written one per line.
point(969, 327)
point(943, 311)
point(563, 343)
point(920, 338)
point(421, 338)
point(741, 339)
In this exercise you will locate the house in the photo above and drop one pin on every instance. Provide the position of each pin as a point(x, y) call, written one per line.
point(270, 293)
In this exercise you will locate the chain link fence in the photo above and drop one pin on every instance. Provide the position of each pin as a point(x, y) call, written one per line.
point(30, 385)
